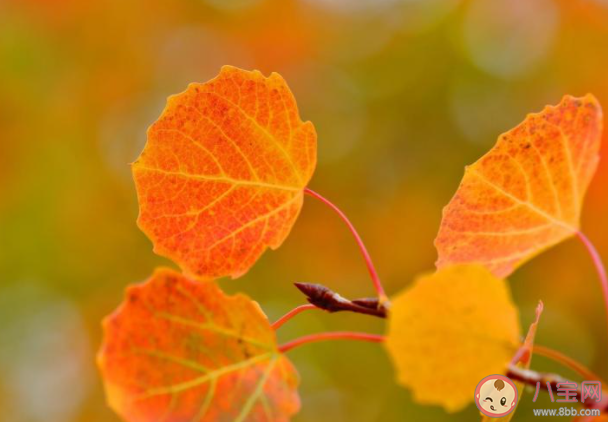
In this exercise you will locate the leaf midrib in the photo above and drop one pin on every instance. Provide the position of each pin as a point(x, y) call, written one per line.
point(527, 204)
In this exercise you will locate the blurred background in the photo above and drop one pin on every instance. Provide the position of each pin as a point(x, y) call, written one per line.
point(403, 94)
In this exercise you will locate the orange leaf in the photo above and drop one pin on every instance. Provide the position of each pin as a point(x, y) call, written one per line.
point(525, 194)
point(178, 350)
point(526, 357)
point(222, 175)
point(448, 331)
point(523, 360)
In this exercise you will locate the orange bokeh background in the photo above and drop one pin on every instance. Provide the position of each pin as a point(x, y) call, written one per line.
point(403, 93)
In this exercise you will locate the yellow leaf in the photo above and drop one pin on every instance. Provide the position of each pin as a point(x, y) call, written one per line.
point(448, 331)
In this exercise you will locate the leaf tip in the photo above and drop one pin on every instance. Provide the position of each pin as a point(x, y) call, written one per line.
point(539, 309)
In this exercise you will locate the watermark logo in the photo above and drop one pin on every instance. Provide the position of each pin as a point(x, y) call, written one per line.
point(568, 392)
point(496, 396)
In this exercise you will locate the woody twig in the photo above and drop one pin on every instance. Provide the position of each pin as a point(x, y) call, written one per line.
point(549, 382)
point(324, 298)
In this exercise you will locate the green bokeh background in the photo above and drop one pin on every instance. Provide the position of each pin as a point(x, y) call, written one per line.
point(403, 93)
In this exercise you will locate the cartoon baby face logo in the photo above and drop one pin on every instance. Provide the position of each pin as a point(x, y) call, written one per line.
point(496, 396)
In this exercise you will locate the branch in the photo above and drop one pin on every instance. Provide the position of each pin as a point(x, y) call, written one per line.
point(335, 335)
point(568, 362)
point(324, 298)
point(530, 377)
point(368, 259)
point(295, 311)
point(599, 266)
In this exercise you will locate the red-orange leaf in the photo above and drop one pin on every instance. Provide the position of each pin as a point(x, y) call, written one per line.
point(177, 350)
point(525, 194)
point(222, 175)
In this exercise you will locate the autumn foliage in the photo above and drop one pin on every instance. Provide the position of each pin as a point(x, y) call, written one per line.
point(223, 177)
point(465, 307)
point(186, 351)
point(526, 193)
